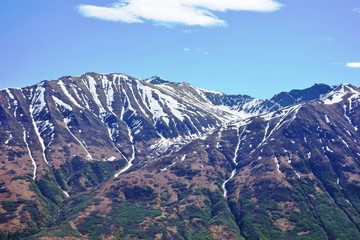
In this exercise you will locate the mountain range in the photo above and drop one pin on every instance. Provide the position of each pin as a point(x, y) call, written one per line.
point(110, 156)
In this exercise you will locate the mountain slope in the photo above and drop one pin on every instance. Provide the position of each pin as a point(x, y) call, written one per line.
point(250, 106)
point(113, 155)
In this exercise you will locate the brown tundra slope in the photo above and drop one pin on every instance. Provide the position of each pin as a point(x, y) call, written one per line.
point(110, 156)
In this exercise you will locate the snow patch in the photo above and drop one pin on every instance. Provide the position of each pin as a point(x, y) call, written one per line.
point(109, 93)
point(65, 193)
point(30, 153)
point(157, 105)
point(297, 174)
point(68, 95)
point(38, 104)
point(111, 159)
point(334, 96)
point(61, 107)
point(91, 84)
point(327, 119)
point(168, 167)
point(338, 183)
point(328, 149)
point(238, 144)
point(347, 145)
point(284, 113)
point(60, 103)
point(226, 181)
point(348, 118)
point(289, 159)
point(9, 139)
point(131, 139)
point(277, 164)
point(347, 200)
point(10, 94)
point(82, 144)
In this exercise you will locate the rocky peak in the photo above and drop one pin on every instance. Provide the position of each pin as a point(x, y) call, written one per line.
point(340, 93)
point(297, 96)
point(156, 80)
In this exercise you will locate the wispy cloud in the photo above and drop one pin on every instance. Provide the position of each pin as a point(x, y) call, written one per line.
point(329, 39)
point(357, 10)
point(184, 12)
point(353, 65)
point(189, 31)
point(200, 51)
point(196, 51)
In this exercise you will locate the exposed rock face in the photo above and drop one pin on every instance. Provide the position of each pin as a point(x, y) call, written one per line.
point(105, 156)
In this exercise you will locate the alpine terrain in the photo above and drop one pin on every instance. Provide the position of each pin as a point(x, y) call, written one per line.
point(109, 156)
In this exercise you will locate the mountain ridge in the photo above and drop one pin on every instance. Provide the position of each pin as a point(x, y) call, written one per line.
point(159, 80)
point(104, 143)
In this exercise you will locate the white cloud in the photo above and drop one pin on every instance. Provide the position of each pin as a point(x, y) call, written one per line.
point(186, 49)
point(357, 10)
point(353, 64)
point(110, 14)
point(185, 12)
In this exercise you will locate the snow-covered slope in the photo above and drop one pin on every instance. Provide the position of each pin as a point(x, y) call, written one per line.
point(249, 106)
point(105, 117)
point(339, 93)
point(114, 116)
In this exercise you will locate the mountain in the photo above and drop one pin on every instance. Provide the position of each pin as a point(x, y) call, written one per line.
point(248, 105)
point(109, 156)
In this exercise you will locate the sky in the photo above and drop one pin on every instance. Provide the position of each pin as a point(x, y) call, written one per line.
point(253, 47)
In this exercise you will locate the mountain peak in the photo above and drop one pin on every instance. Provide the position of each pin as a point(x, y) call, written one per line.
point(339, 93)
point(347, 87)
point(156, 80)
point(307, 94)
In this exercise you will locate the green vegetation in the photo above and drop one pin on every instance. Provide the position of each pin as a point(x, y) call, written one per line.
point(10, 207)
point(81, 175)
point(75, 205)
point(195, 220)
point(129, 215)
point(50, 189)
point(45, 209)
point(266, 209)
point(94, 225)
point(141, 194)
point(182, 190)
point(188, 173)
point(126, 216)
point(18, 235)
point(62, 230)
point(314, 215)
point(220, 211)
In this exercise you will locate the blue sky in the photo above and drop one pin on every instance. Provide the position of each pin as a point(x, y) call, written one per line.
point(254, 47)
